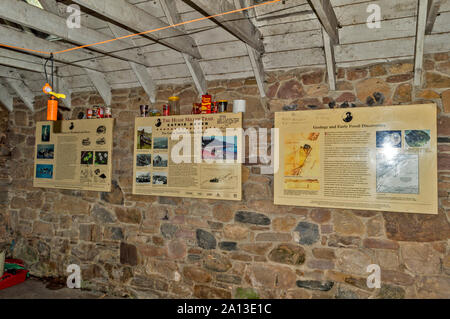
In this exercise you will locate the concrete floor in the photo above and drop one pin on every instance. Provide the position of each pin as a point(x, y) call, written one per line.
point(33, 288)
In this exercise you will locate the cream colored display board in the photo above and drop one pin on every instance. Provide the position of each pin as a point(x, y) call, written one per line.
point(189, 156)
point(74, 154)
point(382, 158)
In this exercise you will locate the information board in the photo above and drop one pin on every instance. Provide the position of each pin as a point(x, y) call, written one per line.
point(189, 156)
point(382, 158)
point(74, 154)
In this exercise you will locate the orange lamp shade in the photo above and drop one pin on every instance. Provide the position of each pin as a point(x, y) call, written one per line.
point(52, 109)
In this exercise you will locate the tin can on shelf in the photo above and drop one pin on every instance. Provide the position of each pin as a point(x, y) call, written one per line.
point(206, 104)
point(108, 113)
point(214, 107)
point(196, 108)
point(222, 106)
point(94, 112)
point(89, 113)
point(144, 110)
point(166, 110)
point(100, 112)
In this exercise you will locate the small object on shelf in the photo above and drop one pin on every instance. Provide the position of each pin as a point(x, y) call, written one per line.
point(100, 112)
point(155, 112)
point(239, 106)
point(214, 107)
point(292, 107)
point(94, 112)
point(196, 108)
point(206, 104)
point(108, 112)
point(166, 110)
point(222, 106)
point(144, 110)
point(174, 105)
point(89, 113)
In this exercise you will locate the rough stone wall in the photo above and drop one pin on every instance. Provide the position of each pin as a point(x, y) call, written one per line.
point(154, 247)
point(5, 178)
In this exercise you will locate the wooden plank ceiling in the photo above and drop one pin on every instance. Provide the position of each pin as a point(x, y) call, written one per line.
point(285, 35)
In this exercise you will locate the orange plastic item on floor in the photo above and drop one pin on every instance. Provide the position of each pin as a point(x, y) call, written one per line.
point(52, 109)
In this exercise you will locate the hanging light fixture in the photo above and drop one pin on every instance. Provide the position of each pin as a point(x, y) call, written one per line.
point(52, 104)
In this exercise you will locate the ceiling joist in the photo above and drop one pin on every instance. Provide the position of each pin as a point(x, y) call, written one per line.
point(30, 16)
point(78, 58)
point(139, 20)
point(102, 86)
point(195, 69)
point(422, 15)
point(255, 59)
point(15, 81)
point(432, 12)
point(5, 97)
point(98, 79)
point(327, 17)
point(12, 37)
point(236, 23)
point(330, 60)
point(34, 64)
point(141, 72)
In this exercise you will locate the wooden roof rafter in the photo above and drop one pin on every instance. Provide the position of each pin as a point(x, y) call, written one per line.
point(330, 32)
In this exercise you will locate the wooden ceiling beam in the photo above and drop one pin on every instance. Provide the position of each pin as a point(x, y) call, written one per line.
point(327, 17)
point(237, 23)
point(97, 78)
point(5, 97)
point(33, 17)
point(255, 58)
point(102, 86)
point(195, 69)
point(15, 81)
point(139, 20)
point(422, 15)
point(143, 75)
point(330, 60)
point(78, 58)
point(432, 12)
point(140, 70)
point(81, 58)
point(34, 64)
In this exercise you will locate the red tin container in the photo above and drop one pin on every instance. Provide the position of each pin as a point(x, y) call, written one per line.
point(100, 113)
point(166, 110)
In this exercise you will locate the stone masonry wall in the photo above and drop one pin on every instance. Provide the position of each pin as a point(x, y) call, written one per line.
point(160, 247)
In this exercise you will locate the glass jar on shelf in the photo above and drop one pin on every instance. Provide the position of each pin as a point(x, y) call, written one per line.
point(174, 105)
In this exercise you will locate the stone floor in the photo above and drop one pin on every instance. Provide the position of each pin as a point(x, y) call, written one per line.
point(35, 289)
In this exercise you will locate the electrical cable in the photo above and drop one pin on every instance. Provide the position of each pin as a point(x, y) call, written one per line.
point(45, 70)
point(53, 75)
